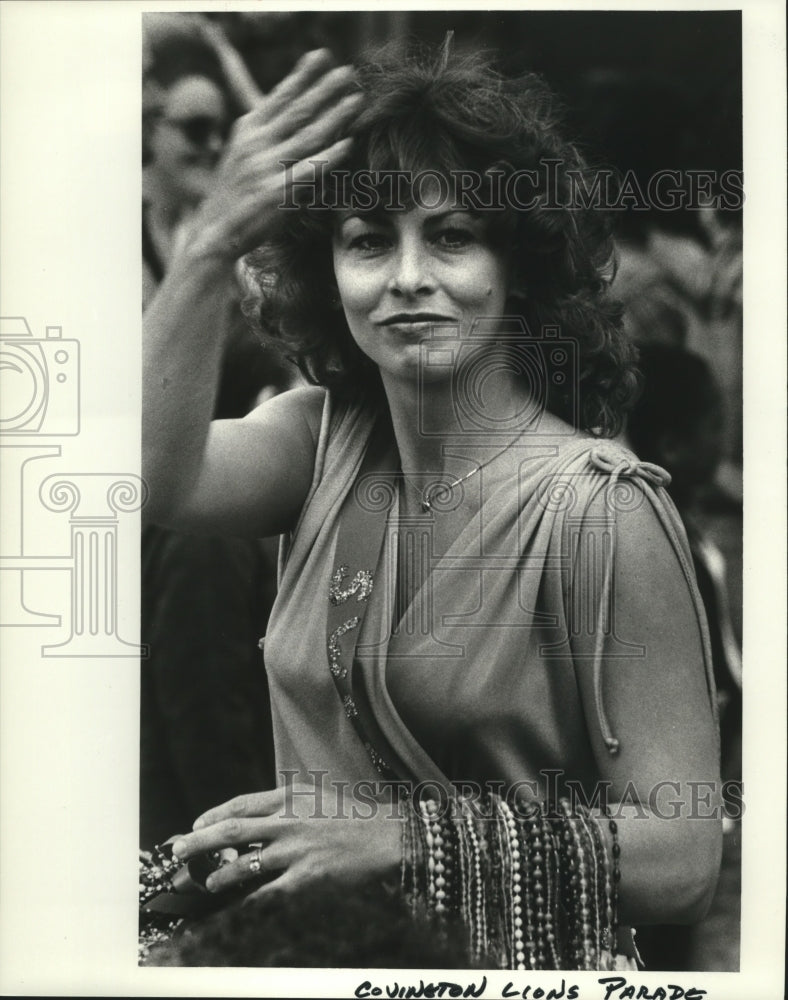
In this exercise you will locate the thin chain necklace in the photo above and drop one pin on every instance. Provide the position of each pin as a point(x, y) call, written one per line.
point(437, 490)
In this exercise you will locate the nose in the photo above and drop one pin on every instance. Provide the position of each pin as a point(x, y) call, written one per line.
point(412, 270)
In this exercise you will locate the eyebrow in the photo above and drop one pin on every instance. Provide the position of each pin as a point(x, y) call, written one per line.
point(382, 215)
point(348, 214)
point(465, 212)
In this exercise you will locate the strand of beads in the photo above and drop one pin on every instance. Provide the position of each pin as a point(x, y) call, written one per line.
point(598, 896)
point(540, 831)
point(534, 891)
point(552, 877)
point(450, 862)
point(500, 872)
point(526, 828)
point(414, 862)
point(579, 911)
point(616, 878)
point(478, 921)
point(609, 941)
point(518, 944)
point(499, 901)
point(437, 856)
point(465, 874)
point(424, 808)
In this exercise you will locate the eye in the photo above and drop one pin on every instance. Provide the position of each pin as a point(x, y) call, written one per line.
point(369, 242)
point(454, 238)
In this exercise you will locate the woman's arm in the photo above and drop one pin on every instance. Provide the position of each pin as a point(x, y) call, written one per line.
point(252, 474)
point(246, 477)
point(664, 782)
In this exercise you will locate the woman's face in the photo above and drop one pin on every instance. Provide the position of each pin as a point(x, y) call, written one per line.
point(400, 274)
point(188, 139)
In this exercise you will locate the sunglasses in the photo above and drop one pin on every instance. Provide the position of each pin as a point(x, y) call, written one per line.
point(199, 129)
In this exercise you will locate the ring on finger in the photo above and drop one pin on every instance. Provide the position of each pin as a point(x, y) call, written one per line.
point(256, 861)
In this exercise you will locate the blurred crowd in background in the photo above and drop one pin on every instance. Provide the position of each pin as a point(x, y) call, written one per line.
point(643, 92)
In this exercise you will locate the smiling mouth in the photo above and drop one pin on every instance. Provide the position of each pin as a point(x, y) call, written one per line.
point(414, 319)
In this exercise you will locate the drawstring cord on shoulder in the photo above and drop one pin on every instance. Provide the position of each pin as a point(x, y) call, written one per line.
point(615, 467)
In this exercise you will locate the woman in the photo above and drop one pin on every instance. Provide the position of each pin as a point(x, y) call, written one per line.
point(476, 593)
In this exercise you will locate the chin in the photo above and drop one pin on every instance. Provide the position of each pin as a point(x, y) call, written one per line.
point(407, 364)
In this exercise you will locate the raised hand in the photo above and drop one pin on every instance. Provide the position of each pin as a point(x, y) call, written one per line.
point(302, 119)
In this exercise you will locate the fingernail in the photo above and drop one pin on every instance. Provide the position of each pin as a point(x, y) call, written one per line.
point(210, 883)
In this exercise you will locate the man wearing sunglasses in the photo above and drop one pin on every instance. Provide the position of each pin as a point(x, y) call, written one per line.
point(184, 139)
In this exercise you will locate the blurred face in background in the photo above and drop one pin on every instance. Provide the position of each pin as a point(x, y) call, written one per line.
point(187, 139)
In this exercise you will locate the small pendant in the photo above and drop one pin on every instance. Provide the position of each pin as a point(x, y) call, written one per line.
point(426, 506)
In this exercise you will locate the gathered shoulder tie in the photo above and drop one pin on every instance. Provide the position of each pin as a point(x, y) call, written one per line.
point(616, 466)
point(623, 465)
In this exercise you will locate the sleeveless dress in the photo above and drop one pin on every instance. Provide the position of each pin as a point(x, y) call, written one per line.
point(508, 670)
point(480, 680)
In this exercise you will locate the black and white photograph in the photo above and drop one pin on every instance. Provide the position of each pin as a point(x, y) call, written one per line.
point(392, 451)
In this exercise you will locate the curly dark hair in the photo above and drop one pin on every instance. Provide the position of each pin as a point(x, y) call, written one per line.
point(428, 111)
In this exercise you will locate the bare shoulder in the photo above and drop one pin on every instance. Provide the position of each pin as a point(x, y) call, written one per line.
point(300, 408)
point(284, 430)
point(634, 579)
point(633, 495)
point(257, 471)
point(628, 515)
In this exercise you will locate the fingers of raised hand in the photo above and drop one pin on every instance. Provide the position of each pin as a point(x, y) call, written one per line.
point(309, 68)
point(334, 88)
point(283, 118)
point(314, 80)
point(260, 145)
point(315, 133)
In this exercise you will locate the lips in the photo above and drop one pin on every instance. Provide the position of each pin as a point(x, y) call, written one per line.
point(414, 319)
